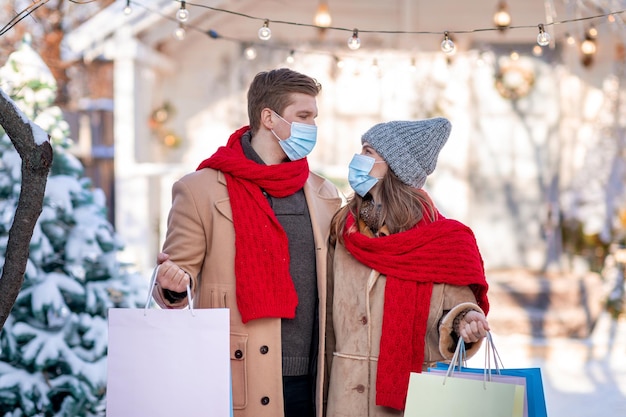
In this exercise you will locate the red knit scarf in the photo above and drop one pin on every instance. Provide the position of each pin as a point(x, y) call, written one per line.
point(264, 284)
point(444, 251)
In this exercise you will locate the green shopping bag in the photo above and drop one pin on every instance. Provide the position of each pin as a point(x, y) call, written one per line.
point(436, 395)
point(445, 395)
point(535, 396)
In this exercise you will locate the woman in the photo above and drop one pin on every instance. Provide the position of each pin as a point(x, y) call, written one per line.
point(404, 282)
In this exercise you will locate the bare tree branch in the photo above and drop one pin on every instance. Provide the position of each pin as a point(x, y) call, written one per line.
point(21, 15)
point(33, 146)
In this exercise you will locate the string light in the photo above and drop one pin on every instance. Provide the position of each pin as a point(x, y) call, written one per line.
point(322, 16)
point(447, 46)
point(543, 38)
point(182, 14)
point(291, 58)
point(250, 53)
point(588, 46)
point(265, 33)
point(354, 42)
point(180, 32)
point(502, 18)
point(128, 10)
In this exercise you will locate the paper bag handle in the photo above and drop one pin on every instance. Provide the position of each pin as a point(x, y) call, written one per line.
point(151, 288)
point(490, 351)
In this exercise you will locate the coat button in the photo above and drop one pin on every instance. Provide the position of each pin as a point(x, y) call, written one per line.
point(264, 349)
point(238, 354)
point(364, 320)
point(265, 400)
point(360, 389)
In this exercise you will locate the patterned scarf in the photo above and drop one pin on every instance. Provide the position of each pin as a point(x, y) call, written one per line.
point(264, 284)
point(444, 251)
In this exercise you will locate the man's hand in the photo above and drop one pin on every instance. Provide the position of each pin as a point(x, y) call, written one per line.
point(170, 276)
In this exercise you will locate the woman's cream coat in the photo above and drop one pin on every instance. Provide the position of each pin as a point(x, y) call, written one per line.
point(355, 313)
point(201, 240)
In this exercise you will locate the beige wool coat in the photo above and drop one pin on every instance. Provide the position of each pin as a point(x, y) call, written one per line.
point(201, 240)
point(355, 313)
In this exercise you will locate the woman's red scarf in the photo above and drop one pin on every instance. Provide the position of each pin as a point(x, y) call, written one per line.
point(264, 284)
point(444, 251)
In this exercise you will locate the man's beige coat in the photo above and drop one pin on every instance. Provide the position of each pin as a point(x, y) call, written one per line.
point(201, 240)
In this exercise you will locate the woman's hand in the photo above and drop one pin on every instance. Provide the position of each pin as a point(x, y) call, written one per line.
point(473, 326)
point(170, 276)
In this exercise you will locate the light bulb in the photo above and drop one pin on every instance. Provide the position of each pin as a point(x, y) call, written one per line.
point(588, 47)
point(179, 33)
point(502, 18)
point(543, 38)
point(182, 14)
point(322, 16)
point(250, 53)
point(265, 33)
point(354, 42)
point(447, 46)
point(290, 59)
point(127, 9)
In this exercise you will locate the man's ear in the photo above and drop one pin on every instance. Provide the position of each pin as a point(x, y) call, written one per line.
point(267, 120)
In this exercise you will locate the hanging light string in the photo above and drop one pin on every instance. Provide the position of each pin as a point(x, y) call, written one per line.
point(353, 42)
point(397, 32)
point(266, 21)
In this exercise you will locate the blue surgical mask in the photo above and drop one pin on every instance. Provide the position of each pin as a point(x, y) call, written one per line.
point(359, 174)
point(301, 141)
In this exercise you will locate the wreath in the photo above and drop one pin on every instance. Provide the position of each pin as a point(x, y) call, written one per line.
point(514, 81)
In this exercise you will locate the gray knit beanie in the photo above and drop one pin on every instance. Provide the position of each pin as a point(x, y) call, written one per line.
point(410, 148)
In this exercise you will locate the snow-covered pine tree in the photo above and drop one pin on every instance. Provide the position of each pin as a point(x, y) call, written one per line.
point(53, 346)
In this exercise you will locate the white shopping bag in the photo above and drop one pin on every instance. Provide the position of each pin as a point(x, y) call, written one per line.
point(168, 363)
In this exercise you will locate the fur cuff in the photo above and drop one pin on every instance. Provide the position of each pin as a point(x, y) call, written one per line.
point(447, 336)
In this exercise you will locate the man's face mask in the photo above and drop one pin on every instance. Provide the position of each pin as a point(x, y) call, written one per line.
point(301, 141)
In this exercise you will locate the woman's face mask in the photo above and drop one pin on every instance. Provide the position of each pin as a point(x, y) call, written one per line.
point(359, 174)
point(300, 142)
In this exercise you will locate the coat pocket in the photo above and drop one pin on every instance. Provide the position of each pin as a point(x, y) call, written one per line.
point(238, 355)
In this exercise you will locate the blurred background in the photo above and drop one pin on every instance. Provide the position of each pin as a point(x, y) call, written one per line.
point(535, 164)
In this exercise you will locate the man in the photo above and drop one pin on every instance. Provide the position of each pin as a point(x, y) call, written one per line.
point(248, 231)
